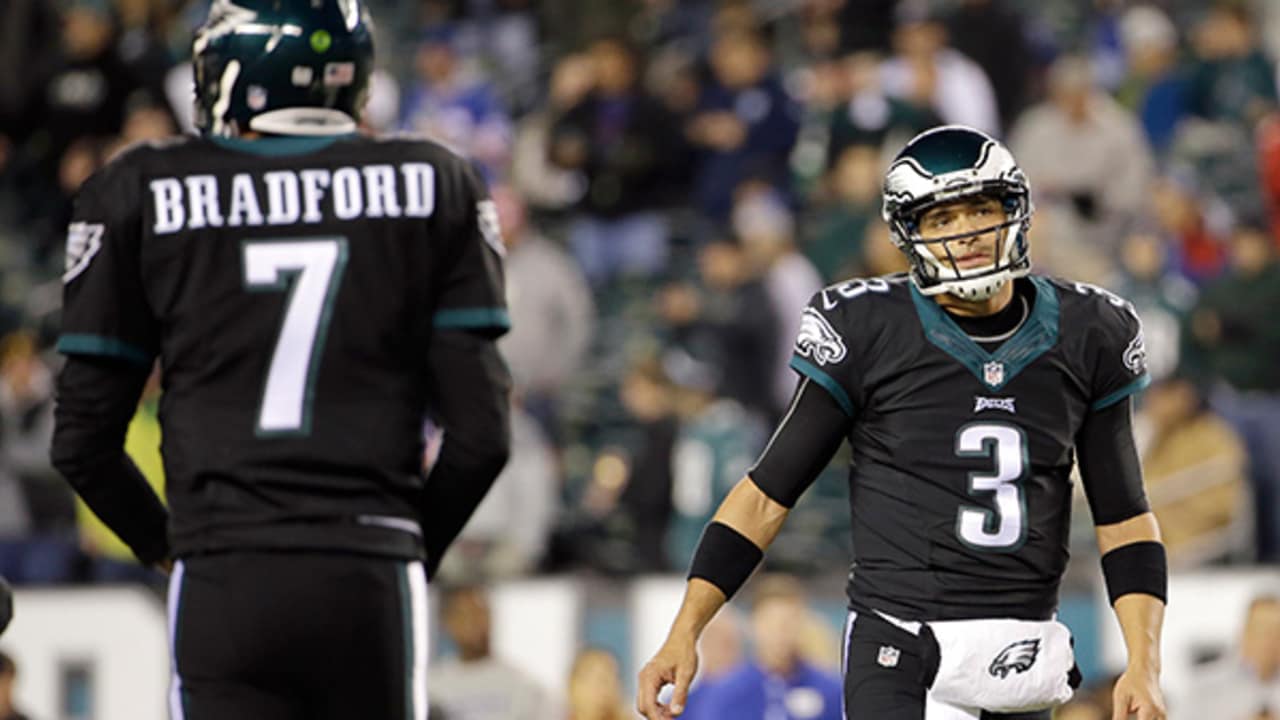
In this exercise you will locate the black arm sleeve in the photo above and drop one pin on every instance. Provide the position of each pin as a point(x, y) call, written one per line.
point(809, 434)
point(97, 397)
point(470, 389)
point(1109, 465)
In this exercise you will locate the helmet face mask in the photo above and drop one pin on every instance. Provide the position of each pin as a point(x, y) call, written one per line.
point(957, 166)
point(286, 67)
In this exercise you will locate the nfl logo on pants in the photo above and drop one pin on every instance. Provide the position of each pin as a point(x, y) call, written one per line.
point(888, 656)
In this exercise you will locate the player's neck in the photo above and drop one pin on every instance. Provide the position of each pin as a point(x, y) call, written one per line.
point(977, 308)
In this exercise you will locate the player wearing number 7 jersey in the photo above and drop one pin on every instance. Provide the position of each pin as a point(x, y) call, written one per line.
point(967, 389)
point(312, 296)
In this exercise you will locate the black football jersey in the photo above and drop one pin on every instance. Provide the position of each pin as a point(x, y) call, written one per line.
point(290, 288)
point(959, 486)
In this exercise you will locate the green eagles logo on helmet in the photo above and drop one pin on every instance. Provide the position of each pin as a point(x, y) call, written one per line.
point(282, 67)
point(945, 164)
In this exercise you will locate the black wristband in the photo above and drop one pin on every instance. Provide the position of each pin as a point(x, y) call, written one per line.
point(724, 558)
point(1140, 567)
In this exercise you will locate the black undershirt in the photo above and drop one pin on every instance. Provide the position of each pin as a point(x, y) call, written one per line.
point(1002, 323)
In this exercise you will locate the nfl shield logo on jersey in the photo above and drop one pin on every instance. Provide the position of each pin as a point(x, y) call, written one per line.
point(888, 656)
point(993, 373)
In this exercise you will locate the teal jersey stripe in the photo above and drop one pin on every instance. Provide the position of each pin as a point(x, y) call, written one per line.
point(472, 318)
point(1124, 392)
point(86, 344)
point(279, 146)
point(811, 371)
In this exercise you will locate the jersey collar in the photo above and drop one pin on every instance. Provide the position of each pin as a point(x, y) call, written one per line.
point(994, 369)
point(279, 145)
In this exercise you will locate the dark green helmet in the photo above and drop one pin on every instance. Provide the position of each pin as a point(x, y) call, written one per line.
point(282, 67)
point(943, 165)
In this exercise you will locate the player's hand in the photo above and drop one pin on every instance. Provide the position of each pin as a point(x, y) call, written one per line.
point(1137, 692)
point(675, 663)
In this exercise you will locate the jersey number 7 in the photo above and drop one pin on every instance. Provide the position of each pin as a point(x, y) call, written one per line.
point(310, 270)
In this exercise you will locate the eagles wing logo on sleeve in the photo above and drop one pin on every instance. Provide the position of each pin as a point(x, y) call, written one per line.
point(84, 240)
point(1135, 356)
point(818, 340)
point(1017, 657)
point(490, 228)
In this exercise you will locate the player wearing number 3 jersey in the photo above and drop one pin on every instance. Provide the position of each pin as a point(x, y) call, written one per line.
point(311, 296)
point(967, 389)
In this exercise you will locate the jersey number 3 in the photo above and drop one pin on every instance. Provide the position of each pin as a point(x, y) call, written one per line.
point(310, 270)
point(1005, 528)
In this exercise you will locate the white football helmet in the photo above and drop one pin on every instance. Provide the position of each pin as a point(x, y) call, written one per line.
point(942, 165)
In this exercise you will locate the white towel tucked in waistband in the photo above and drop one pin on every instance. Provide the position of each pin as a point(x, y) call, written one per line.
point(1003, 665)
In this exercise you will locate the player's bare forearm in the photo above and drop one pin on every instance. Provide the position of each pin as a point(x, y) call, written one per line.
point(757, 518)
point(701, 602)
point(1141, 616)
point(1140, 528)
point(1137, 690)
point(754, 516)
point(749, 511)
point(676, 662)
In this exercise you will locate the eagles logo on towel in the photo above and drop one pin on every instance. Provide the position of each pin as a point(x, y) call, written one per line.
point(1018, 657)
point(818, 340)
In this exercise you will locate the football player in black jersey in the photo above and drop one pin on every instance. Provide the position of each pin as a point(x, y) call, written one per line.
point(311, 296)
point(967, 388)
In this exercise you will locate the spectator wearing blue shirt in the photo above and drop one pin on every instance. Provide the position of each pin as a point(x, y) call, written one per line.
point(455, 106)
point(745, 124)
point(776, 683)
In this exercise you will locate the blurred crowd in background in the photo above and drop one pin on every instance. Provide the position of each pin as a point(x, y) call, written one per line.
point(675, 179)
